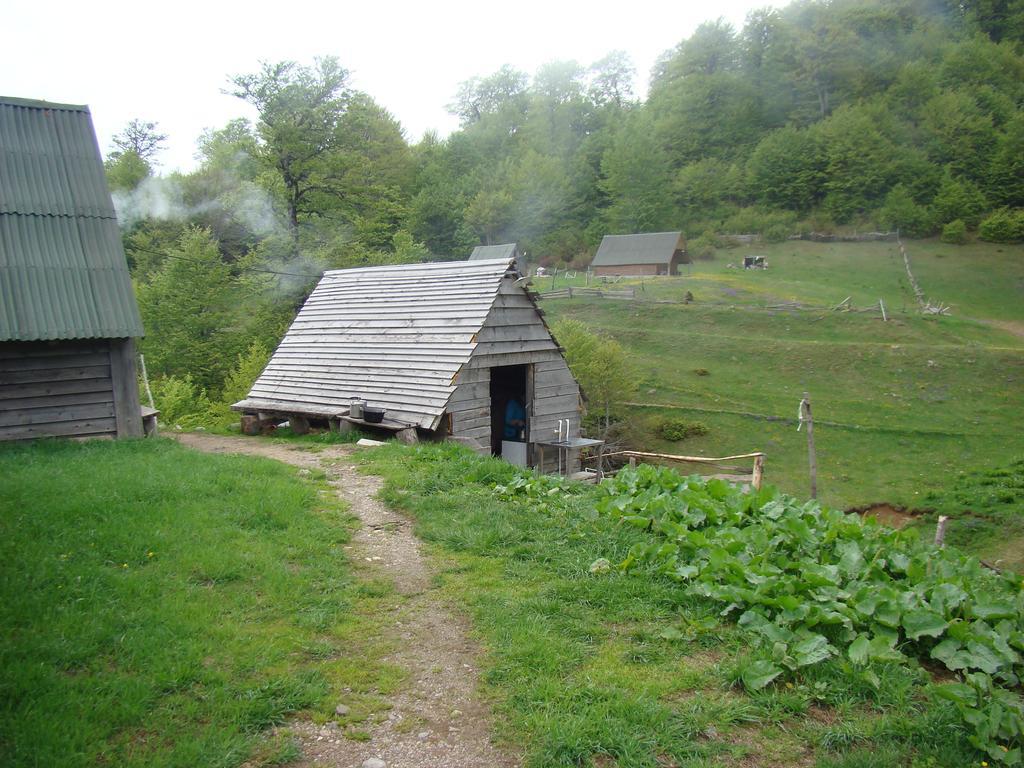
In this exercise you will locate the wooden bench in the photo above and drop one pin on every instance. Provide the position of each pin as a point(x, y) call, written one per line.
point(149, 426)
point(405, 433)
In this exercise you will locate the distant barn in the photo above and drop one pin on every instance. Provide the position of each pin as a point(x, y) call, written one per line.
point(654, 253)
point(442, 347)
point(505, 251)
point(68, 317)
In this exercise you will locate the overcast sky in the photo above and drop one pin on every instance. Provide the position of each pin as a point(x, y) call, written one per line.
point(167, 62)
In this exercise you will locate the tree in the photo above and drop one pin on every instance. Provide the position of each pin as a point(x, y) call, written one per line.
point(899, 211)
point(299, 112)
point(611, 80)
point(599, 365)
point(141, 138)
point(787, 169)
point(185, 311)
point(505, 90)
point(125, 171)
point(636, 179)
point(959, 199)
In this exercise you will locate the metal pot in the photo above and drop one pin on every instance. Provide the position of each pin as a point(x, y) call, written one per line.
point(355, 408)
point(373, 415)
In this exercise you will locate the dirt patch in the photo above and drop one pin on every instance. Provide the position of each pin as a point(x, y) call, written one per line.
point(1010, 326)
point(436, 718)
point(891, 515)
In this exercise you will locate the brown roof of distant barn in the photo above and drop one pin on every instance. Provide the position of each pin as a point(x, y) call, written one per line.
point(647, 248)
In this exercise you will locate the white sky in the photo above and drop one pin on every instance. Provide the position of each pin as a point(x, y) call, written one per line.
point(167, 62)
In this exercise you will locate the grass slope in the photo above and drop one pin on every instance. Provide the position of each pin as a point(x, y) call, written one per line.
point(900, 407)
point(628, 671)
point(162, 607)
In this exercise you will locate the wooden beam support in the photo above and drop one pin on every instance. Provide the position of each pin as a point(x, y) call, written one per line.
point(127, 409)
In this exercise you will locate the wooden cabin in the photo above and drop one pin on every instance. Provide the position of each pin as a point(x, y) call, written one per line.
point(442, 347)
point(68, 317)
point(652, 253)
point(504, 251)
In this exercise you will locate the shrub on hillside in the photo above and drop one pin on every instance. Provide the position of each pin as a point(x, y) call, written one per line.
point(761, 221)
point(673, 430)
point(959, 199)
point(701, 248)
point(955, 232)
point(900, 211)
point(1003, 226)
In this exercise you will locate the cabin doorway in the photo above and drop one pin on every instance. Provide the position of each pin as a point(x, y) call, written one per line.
point(510, 407)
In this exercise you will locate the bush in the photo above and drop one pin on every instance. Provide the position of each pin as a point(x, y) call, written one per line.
point(701, 248)
point(955, 232)
point(900, 211)
point(1003, 226)
point(674, 430)
point(181, 401)
point(959, 199)
point(781, 224)
point(249, 366)
point(777, 233)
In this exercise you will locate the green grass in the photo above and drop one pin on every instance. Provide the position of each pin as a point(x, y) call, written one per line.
point(987, 511)
point(163, 607)
point(610, 669)
point(900, 407)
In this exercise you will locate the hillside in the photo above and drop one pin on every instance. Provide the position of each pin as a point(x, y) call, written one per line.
point(900, 406)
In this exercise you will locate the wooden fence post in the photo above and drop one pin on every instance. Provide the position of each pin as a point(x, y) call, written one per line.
point(808, 419)
point(757, 478)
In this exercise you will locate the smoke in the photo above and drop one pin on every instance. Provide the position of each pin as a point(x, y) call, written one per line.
point(218, 193)
point(155, 198)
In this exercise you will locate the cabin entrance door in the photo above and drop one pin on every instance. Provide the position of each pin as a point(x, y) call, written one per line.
point(510, 409)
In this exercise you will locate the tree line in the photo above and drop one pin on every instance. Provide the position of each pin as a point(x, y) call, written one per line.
point(815, 117)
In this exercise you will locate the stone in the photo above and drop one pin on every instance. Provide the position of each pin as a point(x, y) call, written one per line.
point(423, 735)
point(374, 762)
point(341, 710)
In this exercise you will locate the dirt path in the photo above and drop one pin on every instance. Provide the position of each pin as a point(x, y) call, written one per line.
point(436, 719)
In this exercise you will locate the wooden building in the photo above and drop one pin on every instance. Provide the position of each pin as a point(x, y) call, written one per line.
point(68, 317)
point(653, 253)
point(504, 251)
point(442, 347)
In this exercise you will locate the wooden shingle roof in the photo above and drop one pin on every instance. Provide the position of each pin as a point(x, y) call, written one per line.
point(395, 336)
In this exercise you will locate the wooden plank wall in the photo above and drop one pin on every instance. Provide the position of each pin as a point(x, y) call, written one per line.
point(57, 389)
point(514, 334)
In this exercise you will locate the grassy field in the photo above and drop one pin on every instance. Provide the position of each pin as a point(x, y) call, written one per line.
point(629, 671)
point(163, 607)
point(900, 407)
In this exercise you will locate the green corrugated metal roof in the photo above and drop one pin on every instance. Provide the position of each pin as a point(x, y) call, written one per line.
point(63, 273)
point(649, 248)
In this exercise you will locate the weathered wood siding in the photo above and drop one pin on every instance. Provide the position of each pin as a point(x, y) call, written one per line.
point(470, 407)
point(68, 389)
point(515, 334)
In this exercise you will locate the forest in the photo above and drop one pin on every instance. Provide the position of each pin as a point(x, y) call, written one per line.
point(820, 116)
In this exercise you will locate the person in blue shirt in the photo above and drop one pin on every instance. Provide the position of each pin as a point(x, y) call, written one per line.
point(515, 419)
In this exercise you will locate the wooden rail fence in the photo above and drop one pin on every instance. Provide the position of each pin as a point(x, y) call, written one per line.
point(754, 476)
point(571, 292)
